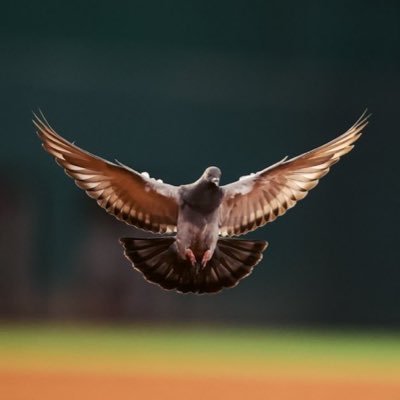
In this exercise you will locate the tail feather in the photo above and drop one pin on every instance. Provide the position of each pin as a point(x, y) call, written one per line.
point(239, 257)
point(159, 262)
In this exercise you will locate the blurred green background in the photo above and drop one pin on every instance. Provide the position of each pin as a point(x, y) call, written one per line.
point(170, 88)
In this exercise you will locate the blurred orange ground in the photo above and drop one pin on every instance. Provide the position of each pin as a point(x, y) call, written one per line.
point(38, 385)
point(85, 363)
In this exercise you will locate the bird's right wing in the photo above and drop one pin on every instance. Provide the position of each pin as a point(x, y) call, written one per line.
point(132, 197)
point(260, 198)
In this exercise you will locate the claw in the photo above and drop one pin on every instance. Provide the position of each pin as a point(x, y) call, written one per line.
point(206, 258)
point(191, 257)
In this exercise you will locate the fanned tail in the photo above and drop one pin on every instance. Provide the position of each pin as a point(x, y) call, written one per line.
point(159, 262)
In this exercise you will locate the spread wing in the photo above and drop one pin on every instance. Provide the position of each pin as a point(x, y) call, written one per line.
point(130, 196)
point(260, 198)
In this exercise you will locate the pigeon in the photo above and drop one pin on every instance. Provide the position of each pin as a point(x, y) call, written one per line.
point(197, 249)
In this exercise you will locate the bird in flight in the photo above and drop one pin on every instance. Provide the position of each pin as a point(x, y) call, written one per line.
point(198, 251)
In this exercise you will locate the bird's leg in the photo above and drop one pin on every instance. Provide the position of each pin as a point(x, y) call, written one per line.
point(191, 257)
point(206, 258)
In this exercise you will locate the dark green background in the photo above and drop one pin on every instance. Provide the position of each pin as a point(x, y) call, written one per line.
point(170, 88)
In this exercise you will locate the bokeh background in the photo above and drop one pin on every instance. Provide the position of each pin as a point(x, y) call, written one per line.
point(170, 88)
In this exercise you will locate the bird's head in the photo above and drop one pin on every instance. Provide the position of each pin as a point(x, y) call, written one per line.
point(213, 175)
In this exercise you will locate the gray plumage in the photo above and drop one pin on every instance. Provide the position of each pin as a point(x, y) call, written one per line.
point(198, 258)
point(199, 202)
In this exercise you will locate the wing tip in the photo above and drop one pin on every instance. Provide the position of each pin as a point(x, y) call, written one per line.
point(362, 121)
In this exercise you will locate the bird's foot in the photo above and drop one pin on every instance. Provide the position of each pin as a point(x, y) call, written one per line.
point(191, 257)
point(206, 258)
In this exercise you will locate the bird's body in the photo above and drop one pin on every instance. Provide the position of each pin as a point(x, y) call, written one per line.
point(202, 256)
point(197, 225)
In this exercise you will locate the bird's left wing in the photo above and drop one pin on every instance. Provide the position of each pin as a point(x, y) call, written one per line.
point(260, 198)
point(130, 196)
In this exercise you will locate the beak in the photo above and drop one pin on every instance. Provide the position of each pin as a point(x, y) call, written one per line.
point(215, 180)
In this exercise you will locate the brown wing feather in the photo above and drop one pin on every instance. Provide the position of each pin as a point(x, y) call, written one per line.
point(260, 198)
point(128, 195)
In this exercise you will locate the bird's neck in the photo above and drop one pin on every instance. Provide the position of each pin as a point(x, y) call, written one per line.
point(204, 196)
